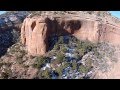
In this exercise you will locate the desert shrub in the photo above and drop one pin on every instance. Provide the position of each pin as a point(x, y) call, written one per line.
point(78, 56)
point(89, 63)
point(45, 74)
point(74, 39)
point(19, 60)
point(23, 52)
point(66, 64)
point(6, 74)
point(83, 69)
point(19, 56)
point(39, 61)
point(16, 49)
point(1, 65)
point(6, 64)
point(81, 52)
point(97, 54)
point(60, 57)
point(59, 70)
point(56, 46)
point(88, 46)
point(56, 62)
point(63, 48)
point(85, 46)
point(61, 40)
point(13, 50)
point(74, 65)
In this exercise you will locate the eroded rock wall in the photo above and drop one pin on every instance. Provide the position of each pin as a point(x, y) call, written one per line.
point(37, 29)
point(34, 35)
point(110, 33)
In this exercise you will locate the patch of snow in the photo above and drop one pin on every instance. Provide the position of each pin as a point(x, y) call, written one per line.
point(58, 65)
point(46, 66)
point(65, 77)
point(71, 49)
point(54, 57)
point(69, 55)
point(43, 68)
point(77, 73)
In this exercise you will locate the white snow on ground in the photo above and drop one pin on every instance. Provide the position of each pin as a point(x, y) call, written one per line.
point(69, 55)
point(46, 66)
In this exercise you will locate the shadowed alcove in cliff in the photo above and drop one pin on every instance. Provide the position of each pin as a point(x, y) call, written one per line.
point(65, 29)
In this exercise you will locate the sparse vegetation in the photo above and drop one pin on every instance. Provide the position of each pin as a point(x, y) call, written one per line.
point(89, 63)
point(85, 46)
point(59, 70)
point(6, 74)
point(63, 49)
point(6, 64)
point(60, 57)
point(83, 69)
point(56, 46)
point(39, 62)
point(66, 64)
point(61, 40)
point(74, 65)
point(45, 74)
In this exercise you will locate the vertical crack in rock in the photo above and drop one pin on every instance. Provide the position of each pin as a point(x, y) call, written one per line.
point(33, 25)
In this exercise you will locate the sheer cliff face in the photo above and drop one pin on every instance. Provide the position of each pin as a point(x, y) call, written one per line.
point(34, 35)
point(110, 34)
point(36, 31)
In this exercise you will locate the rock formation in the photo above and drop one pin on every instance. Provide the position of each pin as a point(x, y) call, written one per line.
point(34, 35)
point(36, 30)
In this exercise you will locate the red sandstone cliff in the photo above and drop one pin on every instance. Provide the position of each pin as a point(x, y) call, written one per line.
point(35, 31)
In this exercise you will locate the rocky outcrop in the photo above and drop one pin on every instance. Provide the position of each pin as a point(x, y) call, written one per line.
point(36, 30)
point(34, 35)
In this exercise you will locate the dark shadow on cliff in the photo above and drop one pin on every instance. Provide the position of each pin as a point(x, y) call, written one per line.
point(64, 29)
point(7, 38)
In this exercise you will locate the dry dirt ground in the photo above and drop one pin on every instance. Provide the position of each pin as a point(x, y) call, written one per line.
point(114, 70)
